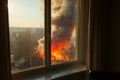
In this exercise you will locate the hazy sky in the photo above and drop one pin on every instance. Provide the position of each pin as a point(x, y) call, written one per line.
point(26, 13)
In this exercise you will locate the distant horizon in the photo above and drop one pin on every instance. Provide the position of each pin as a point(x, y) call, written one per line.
point(24, 27)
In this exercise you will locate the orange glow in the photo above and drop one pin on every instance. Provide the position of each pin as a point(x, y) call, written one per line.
point(42, 54)
point(58, 54)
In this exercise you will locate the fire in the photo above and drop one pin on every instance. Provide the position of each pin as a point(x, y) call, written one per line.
point(58, 52)
point(41, 54)
point(62, 32)
point(59, 49)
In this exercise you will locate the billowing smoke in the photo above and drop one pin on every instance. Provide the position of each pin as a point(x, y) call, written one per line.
point(62, 27)
point(62, 21)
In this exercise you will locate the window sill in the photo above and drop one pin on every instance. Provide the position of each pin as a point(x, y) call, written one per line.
point(59, 73)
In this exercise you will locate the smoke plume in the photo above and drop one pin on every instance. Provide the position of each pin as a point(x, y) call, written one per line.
point(62, 27)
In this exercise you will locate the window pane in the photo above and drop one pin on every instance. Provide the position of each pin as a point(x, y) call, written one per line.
point(63, 31)
point(26, 27)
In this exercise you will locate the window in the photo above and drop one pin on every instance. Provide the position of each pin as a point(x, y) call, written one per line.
point(26, 27)
point(55, 44)
point(63, 31)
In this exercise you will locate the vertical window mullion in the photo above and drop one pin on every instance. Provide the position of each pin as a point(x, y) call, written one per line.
point(47, 33)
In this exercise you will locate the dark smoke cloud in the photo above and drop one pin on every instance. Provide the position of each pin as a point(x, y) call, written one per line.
point(64, 22)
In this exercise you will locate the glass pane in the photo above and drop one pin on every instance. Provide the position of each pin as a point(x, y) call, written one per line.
point(26, 27)
point(63, 31)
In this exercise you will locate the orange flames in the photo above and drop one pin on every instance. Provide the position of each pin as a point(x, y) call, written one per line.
point(58, 54)
point(59, 49)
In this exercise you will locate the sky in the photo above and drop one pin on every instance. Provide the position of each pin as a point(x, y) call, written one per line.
point(26, 13)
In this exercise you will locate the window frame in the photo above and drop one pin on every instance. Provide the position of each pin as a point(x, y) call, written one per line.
point(4, 41)
point(83, 48)
point(48, 38)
